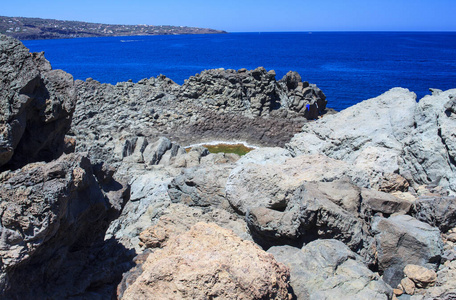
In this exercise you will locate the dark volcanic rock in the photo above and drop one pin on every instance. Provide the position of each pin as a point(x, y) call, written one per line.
point(328, 269)
point(36, 105)
point(436, 211)
point(224, 105)
point(54, 217)
point(403, 240)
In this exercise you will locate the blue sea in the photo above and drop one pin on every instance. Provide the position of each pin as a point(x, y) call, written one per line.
point(348, 66)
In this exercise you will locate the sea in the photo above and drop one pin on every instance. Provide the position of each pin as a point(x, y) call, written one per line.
point(347, 66)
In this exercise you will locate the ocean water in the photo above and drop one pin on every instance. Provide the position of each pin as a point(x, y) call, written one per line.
point(348, 66)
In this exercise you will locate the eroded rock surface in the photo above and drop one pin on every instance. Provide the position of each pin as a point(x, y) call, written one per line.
point(36, 106)
point(328, 269)
point(54, 217)
point(209, 262)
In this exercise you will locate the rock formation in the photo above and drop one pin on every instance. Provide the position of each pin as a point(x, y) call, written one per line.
point(54, 210)
point(207, 262)
point(36, 107)
point(358, 204)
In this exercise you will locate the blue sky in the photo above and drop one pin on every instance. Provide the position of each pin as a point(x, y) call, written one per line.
point(254, 15)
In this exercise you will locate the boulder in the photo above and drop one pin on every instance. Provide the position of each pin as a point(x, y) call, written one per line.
point(271, 183)
point(36, 106)
point(209, 262)
point(309, 215)
point(54, 217)
point(387, 204)
point(202, 186)
point(179, 218)
point(445, 286)
point(421, 276)
point(403, 240)
point(436, 211)
point(368, 135)
point(429, 149)
point(148, 200)
point(328, 269)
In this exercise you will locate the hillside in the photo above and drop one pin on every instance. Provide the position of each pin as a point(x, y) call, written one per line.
point(36, 28)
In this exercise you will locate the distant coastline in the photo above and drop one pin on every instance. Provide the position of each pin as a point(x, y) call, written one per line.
point(39, 29)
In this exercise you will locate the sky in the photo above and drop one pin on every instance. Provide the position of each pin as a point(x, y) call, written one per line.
point(251, 15)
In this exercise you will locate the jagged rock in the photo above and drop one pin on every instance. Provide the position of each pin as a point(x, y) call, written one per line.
point(54, 217)
point(208, 262)
point(403, 240)
point(36, 106)
point(368, 135)
point(328, 269)
point(217, 104)
point(436, 211)
point(303, 97)
point(202, 186)
point(430, 147)
point(148, 201)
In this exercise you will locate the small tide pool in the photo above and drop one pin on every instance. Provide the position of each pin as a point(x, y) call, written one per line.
point(222, 147)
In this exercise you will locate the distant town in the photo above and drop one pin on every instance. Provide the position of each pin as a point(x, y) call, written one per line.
point(36, 28)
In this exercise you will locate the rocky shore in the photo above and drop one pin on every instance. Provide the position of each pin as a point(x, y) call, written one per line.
point(99, 199)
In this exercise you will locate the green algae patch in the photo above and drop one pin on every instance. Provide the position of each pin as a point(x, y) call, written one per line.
point(239, 149)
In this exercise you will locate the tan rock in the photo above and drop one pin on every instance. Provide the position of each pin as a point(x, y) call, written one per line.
point(179, 218)
point(451, 237)
point(408, 285)
point(421, 276)
point(210, 262)
point(398, 292)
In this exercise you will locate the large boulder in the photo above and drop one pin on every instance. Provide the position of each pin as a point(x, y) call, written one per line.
point(390, 135)
point(436, 211)
point(54, 217)
point(403, 240)
point(307, 216)
point(429, 150)
point(210, 262)
point(36, 106)
point(270, 183)
point(328, 269)
point(368, 135)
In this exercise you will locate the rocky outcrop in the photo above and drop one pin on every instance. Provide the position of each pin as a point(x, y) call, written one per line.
point(360, 192)
point(54, 217)
point(403, 240)
point(390, 134)
point(328, 269)
point(437, 211)
point(220, 104)
point(210, 262)
point(36, 106)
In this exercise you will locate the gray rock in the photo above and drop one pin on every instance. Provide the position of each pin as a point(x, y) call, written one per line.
point(368, 135)
point(429, 150)
point(436, 211)
point(387, 204)
point(36, 106)
point(202, 186)
point(328, 269)
point(403, 240)
point(307, 216)
point(54, 217)
point(271, 183)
